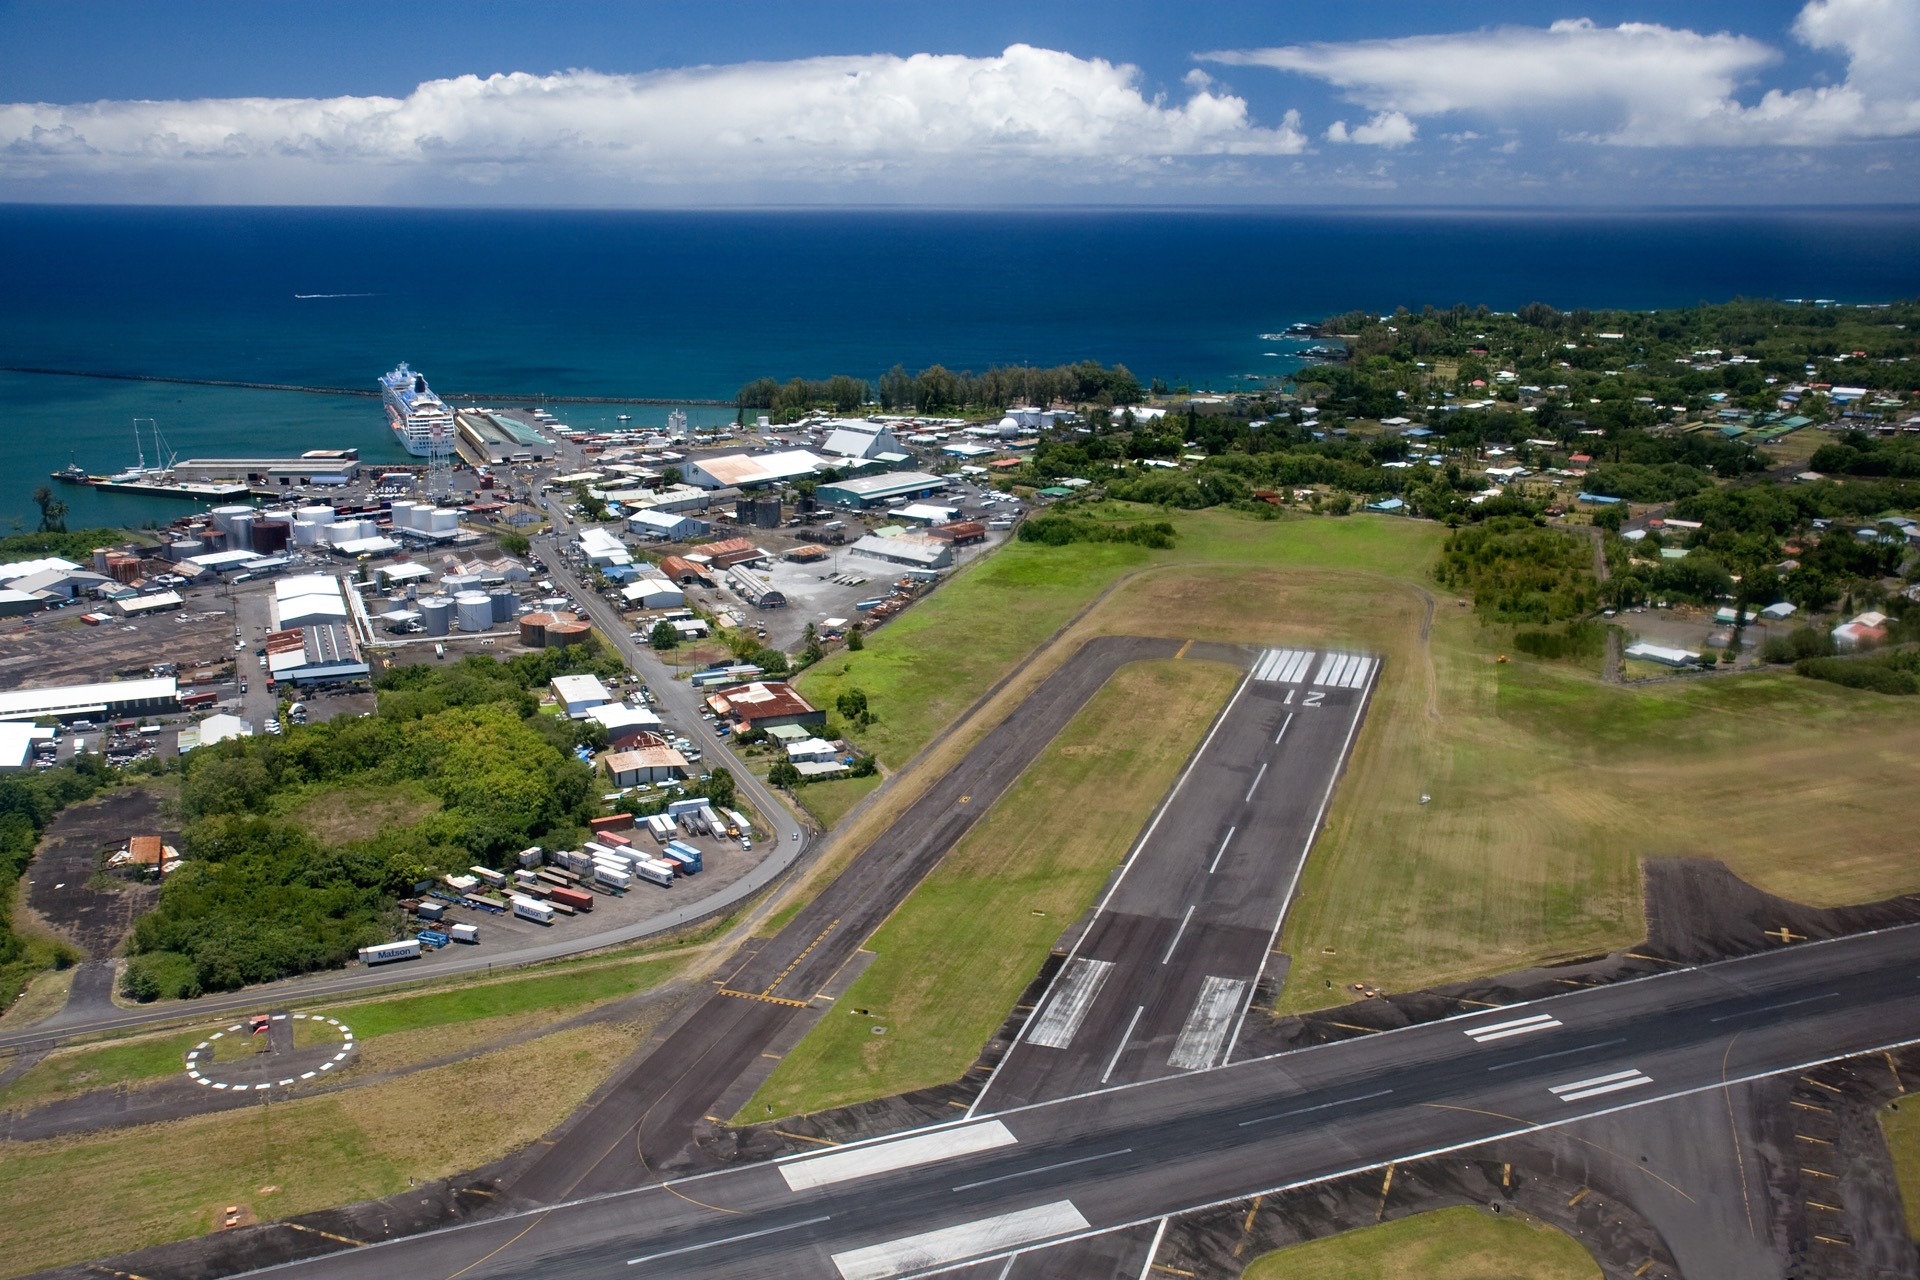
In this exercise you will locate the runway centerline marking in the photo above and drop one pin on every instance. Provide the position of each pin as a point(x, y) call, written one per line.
point(1769, 1008)
point(1181, 930)
point(1256, 780)
point(1575, 1090)
point(1121, 1048)
point(1283, 729)
point(1217, 853)
point(715, 1244)
point(1045, 1168)
point(956, 1244)
point(822, 1170)
point(1301, 1111)
point(1557, 1053)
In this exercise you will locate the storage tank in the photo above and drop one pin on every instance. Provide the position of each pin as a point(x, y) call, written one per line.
point(506, 603)
point(443, 519)
point(562, 634)
point(316, 513)
point(240, 531)
point(223, 516)
point(402, 511)
point(437, 613)
point(533, 629)
point(473, 610)
point(186, 549)
point(308, 533)
point(270, 537)
point(766, 513)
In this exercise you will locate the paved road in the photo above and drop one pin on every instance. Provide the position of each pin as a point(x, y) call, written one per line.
point(1132, 1154)
point(1165, 973)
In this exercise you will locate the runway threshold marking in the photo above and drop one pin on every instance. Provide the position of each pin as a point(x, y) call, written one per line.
point(1080, 984)
point(1594, 1086)
point(1492, 1031)
point(811, 1171)
point(958, 1243)
point(715, 1244)
point(1207, 1025)
point(762, 997)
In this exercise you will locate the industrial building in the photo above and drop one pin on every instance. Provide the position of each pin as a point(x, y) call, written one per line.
point(755, 588)
point(961, 533)
point(862, 492)
point(17, 743)
point(308, 599)
point(489, 436)
point(315, 467)
point(315, 653)
point(916, 551)
point(862, 441)
point(624, 724)
point(652, 593)
point(733, 551)
point(577, 695)
point(114, 698)
point(763, 704)
point(655, 762)
point(668, 526)
point(603, 548)
point(685, 572)
point(751, 470)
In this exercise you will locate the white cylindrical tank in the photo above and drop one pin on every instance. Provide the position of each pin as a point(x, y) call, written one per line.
point(316, 514)
point(240, 531)
point(444, 519)
point(506, 603)
point(186, 549)
point(223, 516)
point(474, 610)
point(437, 613)
point(402, 511)
point(307, 533)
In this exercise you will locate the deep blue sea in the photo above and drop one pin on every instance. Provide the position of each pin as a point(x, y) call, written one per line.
point(694, 304)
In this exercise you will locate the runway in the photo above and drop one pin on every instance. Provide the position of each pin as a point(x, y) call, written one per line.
point(1126, 1155)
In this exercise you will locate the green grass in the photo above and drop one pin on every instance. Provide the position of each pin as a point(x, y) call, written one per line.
point(76, 1071)
point(497, 999)
point(1447, 1244)
point(336, 813)
point(956, 955)
point(1900, 1122)
point(829, 801)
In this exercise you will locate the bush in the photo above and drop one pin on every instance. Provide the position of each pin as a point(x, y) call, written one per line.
point(1578, 640)
point(1059, 530)
point(1873, 675)
point(160, 975)
point(1805, 642)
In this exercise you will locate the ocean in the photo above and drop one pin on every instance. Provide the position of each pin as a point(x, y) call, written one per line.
point(693, 304)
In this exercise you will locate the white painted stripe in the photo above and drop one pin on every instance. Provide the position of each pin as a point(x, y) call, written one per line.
point(1159, 1234)
point(1208, 1024)
point(949, 1245)
point(1326, 665)
point(1362, 669)
point(1605, 1088)
point(1284, 726)
point(1269, 663)
point(1340, 668)
point(1080, 983)
point(1297, 668)
point(1488, 1037)
point(844, 1166)
point(1178, 932)
point(715, 1244)
point(1224, 842)
point(1529, 1020)
point(1121, 1048)
point(1045, 1168)
point(1593, 1080)
point(1256, 780)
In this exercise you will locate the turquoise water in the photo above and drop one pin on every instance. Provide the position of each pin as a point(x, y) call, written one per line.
point(694, 304)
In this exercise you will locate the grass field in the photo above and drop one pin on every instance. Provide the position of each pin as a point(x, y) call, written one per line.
point(342, 813)
point(85, 1197)
point(1447, 1244)
point(829, 801)
point(957, 954)
point(1900, 1122)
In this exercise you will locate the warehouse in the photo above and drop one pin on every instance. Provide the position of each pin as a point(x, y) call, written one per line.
point(603, 548)
point(315, 653)
point(624, 724)
point(862, 492)
point(577, 695)
point(756, 589)
point(319, 467)
point(135, 606)
point(859, 440)
point(725, 555)
point(652, 593)
point(668, 526)
point(914, 550)
point(685, 572)
point(654, 763)
point(753, 471)
point(17, 742)
point(763, 704)
point(92, 701)
point(309, 599)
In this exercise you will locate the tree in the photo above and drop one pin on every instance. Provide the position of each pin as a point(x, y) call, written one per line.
point(852, 706)
point(720, 788)
point(53, 512)
point(514, 544)
point(855, 640)
point(663, 636)
point(783, 774)
point(671, 477)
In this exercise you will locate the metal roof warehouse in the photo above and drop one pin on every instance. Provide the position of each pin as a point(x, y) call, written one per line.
point(113, 698)
point(865, 491)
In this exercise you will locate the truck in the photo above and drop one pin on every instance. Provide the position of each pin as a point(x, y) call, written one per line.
point(660, 873)
point(388, 952)
point(738, 820)
point(490, 877)
point(574, 898)
point(469, 933)
point(612, 877)
point(528, 909)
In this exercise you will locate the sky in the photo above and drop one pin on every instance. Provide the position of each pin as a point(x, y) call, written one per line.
point(861, 102)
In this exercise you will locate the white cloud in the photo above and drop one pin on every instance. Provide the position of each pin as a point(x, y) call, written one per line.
point(1387, 129)
point(805, 124)
point(1637, 84)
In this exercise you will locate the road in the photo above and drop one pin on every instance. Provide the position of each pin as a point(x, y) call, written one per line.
point(1125, 1155)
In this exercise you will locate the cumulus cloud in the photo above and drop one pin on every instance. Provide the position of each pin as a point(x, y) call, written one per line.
point(808, 122)
point(1636, 84)
point(1387, 129)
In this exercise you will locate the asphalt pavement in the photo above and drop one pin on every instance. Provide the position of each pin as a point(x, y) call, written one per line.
point(1131, 1154)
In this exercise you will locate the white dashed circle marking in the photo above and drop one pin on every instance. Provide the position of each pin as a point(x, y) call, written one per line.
point(200, 1057)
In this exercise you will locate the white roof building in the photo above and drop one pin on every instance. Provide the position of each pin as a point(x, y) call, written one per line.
point(911, 549)
point(852, 438)
point(16, 745)
point(603, 548)
point(308, 599)
point(27, 568)
point(219, 728)
point(578, 695)
point(652, 593)
point(750, 470)
point(111, 698)
point(619, 719)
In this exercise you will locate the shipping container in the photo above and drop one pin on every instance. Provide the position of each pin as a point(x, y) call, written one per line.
point(612, 878)
point(530, 857)
point(613, 839)
point(464, 933)
point(387, 952)
point(558, 879)
point(431, 938)
point(525, 878)
point(739, 820)
point(490, 877)
point(572, 897)
point(685, 858)
point(479, 903)
point(528, 909)
point(660, 873)
point(430, 910)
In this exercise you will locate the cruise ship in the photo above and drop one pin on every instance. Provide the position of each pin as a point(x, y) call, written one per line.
point(418, 417)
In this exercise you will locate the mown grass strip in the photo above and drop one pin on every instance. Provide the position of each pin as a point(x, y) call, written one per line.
point(1447, 1244)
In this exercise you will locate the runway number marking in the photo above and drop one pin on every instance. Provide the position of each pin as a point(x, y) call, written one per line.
point(1313, 699)
point(1575, 1090)
point(1517, 1027)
